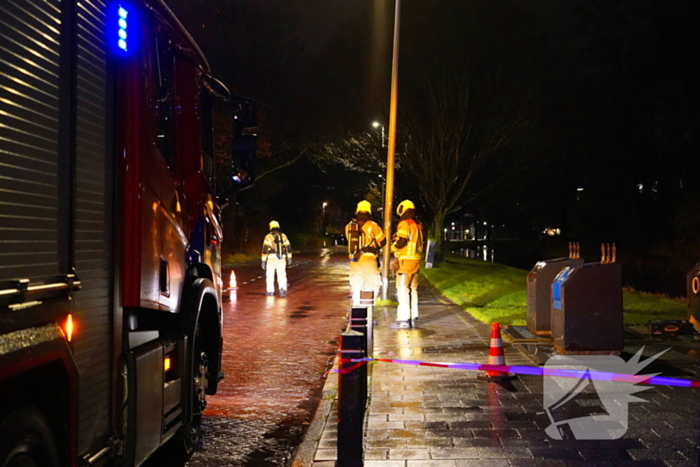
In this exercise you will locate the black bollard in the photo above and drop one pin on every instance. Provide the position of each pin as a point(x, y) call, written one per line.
point(358, 323)
point(351, 403)
point(367, 300)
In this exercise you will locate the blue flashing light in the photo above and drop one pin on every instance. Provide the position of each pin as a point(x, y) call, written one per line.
point(120, 24)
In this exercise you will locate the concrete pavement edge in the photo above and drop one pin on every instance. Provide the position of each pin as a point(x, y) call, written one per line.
point(304, 455)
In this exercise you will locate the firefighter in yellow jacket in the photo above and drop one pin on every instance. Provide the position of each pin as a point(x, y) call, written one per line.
point(276, 255)
point(365, 239)
point(407, 246)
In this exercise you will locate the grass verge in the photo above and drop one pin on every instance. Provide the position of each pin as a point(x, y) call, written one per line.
point(230, 259)
point(497, 293)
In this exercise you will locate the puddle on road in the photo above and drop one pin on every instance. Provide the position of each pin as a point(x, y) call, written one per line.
point(235, 439)
point(259, 440)
point(299, 314)
point(231, 442)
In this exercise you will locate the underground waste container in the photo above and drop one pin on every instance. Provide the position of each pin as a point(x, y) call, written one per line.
point(539, 293)
point(587, 309)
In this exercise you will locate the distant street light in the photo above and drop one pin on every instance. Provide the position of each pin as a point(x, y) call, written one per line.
point(377, 125)
point(323, 217)
point(389, 193)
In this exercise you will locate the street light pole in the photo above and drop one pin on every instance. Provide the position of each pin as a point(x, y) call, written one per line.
point(323, 217)
point(389, 192)
point(377, 124)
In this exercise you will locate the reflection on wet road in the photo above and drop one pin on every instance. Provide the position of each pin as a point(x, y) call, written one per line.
point(276, 351)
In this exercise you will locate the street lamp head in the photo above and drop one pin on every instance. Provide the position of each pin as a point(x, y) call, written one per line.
point(325, 204)
point(376, 124)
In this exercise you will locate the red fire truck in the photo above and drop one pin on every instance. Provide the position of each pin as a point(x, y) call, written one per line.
point(110, 288)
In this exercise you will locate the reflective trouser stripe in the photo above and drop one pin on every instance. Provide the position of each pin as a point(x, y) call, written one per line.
point(407, 291)
point(279, 266)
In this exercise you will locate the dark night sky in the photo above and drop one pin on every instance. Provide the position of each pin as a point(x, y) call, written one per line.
point(617, 83)
point(316, 21)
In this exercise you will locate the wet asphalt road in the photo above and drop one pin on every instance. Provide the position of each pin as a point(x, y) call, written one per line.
point(276, 351)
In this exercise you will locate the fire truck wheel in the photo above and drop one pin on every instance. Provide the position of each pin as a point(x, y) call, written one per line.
point(182, 446)
point(201, 379)
point(200, 369)
point(27, 440)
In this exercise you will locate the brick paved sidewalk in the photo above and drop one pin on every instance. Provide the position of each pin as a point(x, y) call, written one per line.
point(424, 416)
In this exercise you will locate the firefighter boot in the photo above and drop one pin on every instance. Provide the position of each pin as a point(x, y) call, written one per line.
point(400, 325)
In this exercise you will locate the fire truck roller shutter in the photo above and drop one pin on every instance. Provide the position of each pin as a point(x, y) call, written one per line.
point(56, 165)
point(93, 225)
point(30, 131)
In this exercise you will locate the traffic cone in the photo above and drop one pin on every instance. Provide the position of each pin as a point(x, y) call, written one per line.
point(496, 357)
point(232, 286)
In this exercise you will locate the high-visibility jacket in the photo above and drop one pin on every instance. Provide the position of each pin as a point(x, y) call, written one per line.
point(413, 233)
point(276, 244)
point(371, 236)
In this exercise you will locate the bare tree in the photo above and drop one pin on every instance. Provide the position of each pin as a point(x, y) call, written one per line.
point(356, 152)
point(470, 109)
point(452, 139)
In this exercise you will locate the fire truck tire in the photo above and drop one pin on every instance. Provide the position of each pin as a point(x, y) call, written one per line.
point(200, 369)
point(182, 446)
point(27, 440)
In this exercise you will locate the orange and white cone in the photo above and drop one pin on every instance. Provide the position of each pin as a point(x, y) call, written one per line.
point(496, 357)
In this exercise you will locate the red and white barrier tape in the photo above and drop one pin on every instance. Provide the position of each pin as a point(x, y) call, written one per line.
point(530, 370)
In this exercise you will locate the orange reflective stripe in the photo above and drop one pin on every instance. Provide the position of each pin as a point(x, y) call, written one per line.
point(410, 230)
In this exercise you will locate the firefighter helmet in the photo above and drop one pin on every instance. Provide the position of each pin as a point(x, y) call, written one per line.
point(364, 206)
point(274, 225)
point(405, 206)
